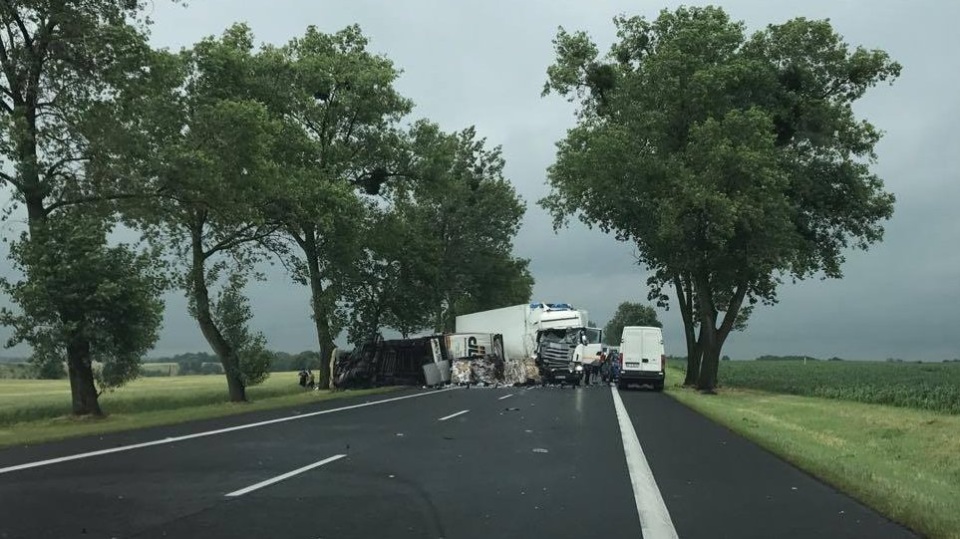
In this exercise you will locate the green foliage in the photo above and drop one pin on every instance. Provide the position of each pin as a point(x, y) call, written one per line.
point(925, 386)
point(728, 160)
point(232, 314)
point(392, 275)
point(48, 368)
point(217, 175)
point(443, 243)
point(66, 71)
point(340, 114)
point(629, 314)
point(19, 371)
point(68, 267)
point(467, 214)
point(64, 67)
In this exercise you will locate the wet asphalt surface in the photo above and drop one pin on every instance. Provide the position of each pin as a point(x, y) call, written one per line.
point(543, 462)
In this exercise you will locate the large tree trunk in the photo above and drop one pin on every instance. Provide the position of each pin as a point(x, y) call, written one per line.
point(80, 369)
point(201, 296)
point(713, 337)
point(710, 366)
point(318, 307)
point(685, 297)
point(694, 359)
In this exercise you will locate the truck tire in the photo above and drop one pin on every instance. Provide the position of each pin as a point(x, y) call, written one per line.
point(658, 386)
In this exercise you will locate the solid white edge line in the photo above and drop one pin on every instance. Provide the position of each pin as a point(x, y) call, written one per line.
point(461, 412)
point(174, 439)
point(655, 522)
point(281, 477)
point(505, 397)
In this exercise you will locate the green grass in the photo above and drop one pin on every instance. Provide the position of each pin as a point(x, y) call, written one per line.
point(34, 411)
point(925, 386)
point(905, 463)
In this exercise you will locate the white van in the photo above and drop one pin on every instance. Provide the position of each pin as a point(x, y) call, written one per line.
point(642, 359)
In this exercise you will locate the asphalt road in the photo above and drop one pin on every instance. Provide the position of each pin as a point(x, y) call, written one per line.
point(463, 463)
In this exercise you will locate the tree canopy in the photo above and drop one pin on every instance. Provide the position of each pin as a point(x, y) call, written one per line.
point(629, 314)
point(730, 160)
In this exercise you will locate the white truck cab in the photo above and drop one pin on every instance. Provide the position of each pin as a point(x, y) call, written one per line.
point(642, 357)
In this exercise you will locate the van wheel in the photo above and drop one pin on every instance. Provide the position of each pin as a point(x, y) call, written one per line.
point(658, 386)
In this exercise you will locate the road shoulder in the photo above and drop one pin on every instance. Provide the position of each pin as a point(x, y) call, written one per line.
point(902, 463)
point(716, 483)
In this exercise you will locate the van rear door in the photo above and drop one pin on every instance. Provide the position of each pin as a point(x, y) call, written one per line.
point(651, 350)
point(631, 348)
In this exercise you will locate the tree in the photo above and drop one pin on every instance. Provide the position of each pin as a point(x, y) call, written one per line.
point(64, 69)
point(340, 110)
point(470, 214)
point(730, 161)
point(216, 169)
point(232, 314)
point(393, 275)
point(629, 314)
point(84, 300)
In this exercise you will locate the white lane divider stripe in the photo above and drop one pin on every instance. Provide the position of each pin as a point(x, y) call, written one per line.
point(287, 475)
point(451, 416)
point(655, 522)
point(175, 439)
point(505, 397)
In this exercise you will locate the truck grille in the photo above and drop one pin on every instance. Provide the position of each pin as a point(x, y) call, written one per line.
point(556, 354)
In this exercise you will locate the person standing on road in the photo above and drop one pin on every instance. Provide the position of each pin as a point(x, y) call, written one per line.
point(605, 367)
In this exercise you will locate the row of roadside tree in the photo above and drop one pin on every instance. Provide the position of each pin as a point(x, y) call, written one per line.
point(219, 158)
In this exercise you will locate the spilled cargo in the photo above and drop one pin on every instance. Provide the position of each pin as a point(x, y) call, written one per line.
point(457, 358)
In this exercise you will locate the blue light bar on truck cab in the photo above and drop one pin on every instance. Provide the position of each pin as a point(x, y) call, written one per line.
point(552, 306)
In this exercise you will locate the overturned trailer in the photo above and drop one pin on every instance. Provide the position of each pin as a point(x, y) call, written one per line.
point(474, 358)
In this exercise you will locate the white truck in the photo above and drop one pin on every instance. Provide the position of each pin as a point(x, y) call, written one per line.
point(555, 335)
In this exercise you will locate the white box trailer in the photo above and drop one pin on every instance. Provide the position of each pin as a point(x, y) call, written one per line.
point(536, 330)
point(509, 322)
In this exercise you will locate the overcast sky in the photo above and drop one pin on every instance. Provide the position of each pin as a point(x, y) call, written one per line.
point(483, 62)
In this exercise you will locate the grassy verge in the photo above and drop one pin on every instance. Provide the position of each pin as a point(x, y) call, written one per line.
point(904, 463)
point(33, 411)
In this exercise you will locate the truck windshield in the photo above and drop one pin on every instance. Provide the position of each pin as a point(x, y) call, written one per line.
point(593, 335)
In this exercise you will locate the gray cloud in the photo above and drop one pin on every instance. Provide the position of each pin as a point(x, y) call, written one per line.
point(482, 62)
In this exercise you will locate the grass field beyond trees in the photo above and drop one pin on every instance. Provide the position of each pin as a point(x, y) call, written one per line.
point(36, 410)
point(925, 386)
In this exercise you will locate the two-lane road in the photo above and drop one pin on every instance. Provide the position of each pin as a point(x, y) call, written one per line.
point(462, 463)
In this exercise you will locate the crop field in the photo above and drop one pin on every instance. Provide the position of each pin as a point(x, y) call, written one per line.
point(925, 386)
